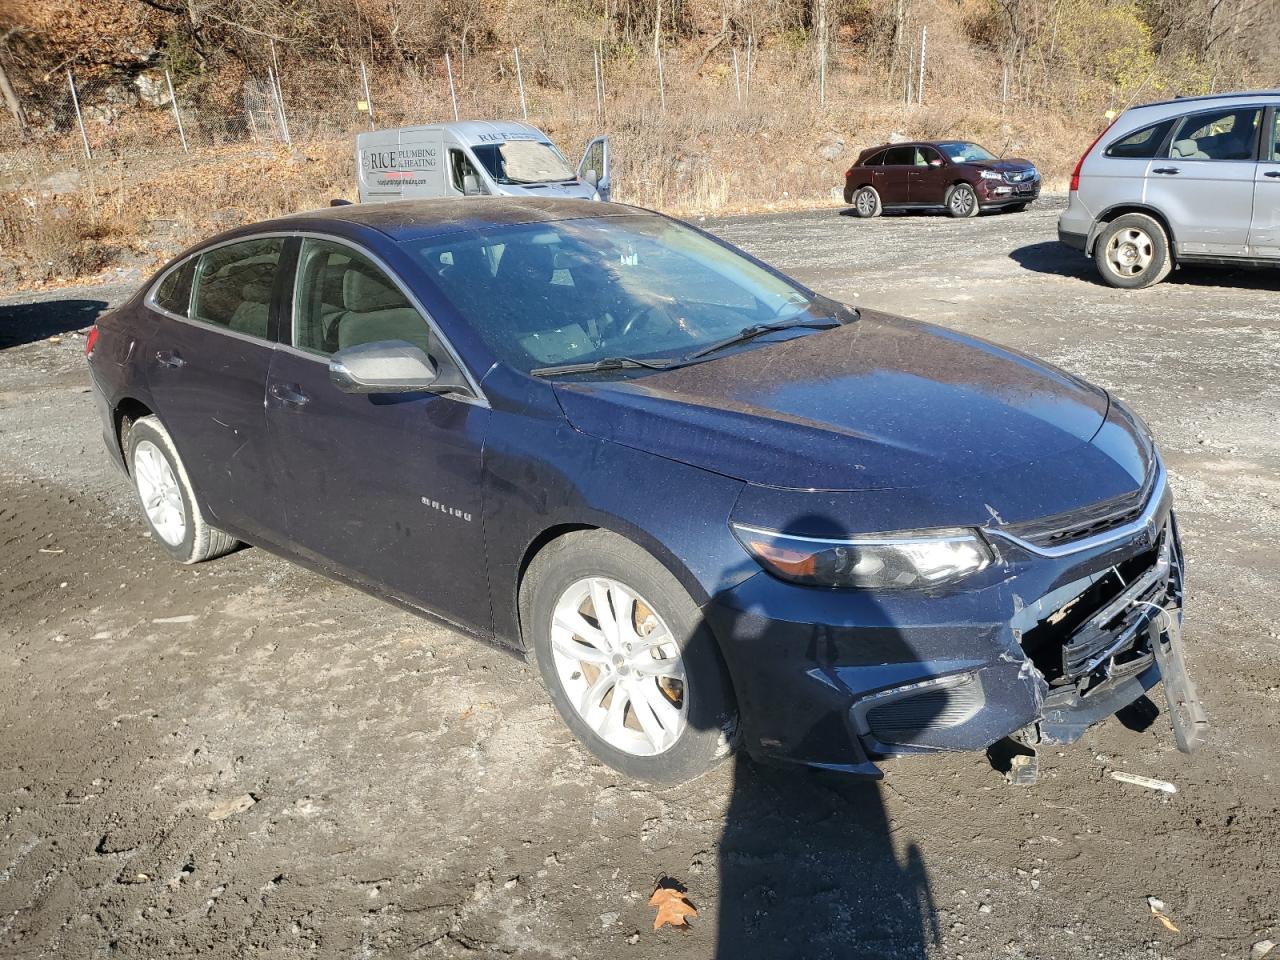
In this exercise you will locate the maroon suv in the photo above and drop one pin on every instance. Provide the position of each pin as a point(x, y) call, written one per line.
point(961, 177)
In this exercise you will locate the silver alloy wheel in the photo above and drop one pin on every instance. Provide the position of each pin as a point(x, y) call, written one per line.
point(866, 202)
point(1130, 252)
point(620, 666)
point(962, 200)
point(159, 492)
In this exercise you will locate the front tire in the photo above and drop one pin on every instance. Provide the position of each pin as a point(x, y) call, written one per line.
point(962, 201)
point(866, 203)
point(627, 659)
point(1132, 252)
point(164, 493)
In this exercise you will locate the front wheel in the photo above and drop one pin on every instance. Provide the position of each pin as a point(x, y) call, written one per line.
point(165, 495)
point(1133, 252)
point(962, 202)
point(866, 203)
point(626, 658)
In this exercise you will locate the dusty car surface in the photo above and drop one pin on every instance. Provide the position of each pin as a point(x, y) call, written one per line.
point(714, 506)
point(960, 177)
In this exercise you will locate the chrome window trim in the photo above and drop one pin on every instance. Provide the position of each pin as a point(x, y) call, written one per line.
point(478, 396)
point(1143, 521)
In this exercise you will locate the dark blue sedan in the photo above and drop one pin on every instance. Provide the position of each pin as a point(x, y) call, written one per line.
point(715, 506)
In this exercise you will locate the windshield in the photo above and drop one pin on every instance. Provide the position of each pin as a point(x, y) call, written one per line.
point(576, 291)
point(523, 161)
point(966, 152)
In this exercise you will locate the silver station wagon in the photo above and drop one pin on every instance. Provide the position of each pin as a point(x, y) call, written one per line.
point(1192, 180)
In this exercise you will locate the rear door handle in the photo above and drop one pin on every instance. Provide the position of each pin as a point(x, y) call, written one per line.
point(290, 394)
point(170, 358)
point(1166, 170)
point(1272, 173)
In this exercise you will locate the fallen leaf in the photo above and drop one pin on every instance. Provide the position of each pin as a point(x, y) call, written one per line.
point(673, 908)
point(1157, 911)
point(1168, 924)
point(231, 807)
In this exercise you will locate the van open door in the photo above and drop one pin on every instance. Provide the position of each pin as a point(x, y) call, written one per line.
point(594, 168)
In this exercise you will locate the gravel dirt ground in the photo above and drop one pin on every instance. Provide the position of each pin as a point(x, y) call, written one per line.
point(416, 795)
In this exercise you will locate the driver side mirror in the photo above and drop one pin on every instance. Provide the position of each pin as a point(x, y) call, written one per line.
point(935, 162)
point(388, 366)
point(471, 185)
point(592, 177)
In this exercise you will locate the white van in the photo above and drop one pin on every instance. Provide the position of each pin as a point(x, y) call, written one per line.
point(475, 158)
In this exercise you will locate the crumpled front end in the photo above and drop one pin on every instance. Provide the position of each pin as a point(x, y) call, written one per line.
point(1075, 621)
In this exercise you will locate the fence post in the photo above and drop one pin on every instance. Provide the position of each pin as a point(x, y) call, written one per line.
point(599, 72)
point(368, 100)
point(751, 46)
point(1004, 85)
point(453, 93)
point(737, 76)
point(911, 75)
point(524, 106)
point(173, 98)
point(279, 93)
point(662, 86)
point(924, 45)
point(75, 101)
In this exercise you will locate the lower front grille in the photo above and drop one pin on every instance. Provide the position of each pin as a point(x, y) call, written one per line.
point(904, 721)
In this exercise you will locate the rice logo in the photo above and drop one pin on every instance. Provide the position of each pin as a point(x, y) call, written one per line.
point(447, 510)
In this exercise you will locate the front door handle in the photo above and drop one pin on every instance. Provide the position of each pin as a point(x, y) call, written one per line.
point(290, 394)
point(1166, 170)
point(171, 359)
point(1272, 173)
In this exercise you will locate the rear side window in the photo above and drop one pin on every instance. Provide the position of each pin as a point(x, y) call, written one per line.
point(174, 292)
point(1143, 144)
point(1217, 135)
point(342, 299)
point(900, 157)
point(875, 160)
point(233, 285)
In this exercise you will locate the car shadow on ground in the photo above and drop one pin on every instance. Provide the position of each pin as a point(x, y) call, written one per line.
point(1056, 258)
point(30, 322)
point(918, 212)
point(810, 863)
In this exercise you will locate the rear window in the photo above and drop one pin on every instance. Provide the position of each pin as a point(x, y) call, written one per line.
point(1144, 143)
point(901, 156)
point(233, 285)
point(174, 292)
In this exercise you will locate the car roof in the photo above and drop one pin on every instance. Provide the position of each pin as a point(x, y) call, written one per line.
point(1208, 97)
point(918, 143)
point(419, 219)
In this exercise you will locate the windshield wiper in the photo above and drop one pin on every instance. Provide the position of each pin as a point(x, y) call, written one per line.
point(760, 329)
point(604, 363)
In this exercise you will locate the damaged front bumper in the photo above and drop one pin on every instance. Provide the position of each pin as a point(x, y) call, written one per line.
point(1071, 628)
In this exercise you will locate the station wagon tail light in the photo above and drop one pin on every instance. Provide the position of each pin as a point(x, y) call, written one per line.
point(91, 340)
point(912, 559)
point(1075, 174)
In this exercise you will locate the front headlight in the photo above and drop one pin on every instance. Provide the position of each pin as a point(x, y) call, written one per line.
point(875, 561)
point(990, 175)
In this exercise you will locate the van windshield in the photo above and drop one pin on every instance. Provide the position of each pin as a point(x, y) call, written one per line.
point(580, 290)
point(523, 161)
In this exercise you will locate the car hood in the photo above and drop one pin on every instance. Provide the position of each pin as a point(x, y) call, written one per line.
point(880, 403)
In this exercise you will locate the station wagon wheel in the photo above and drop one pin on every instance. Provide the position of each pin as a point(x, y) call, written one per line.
point(866, 202)
point(962, 202)
point(1133, 252)
point(169, 505)
point(627, 658)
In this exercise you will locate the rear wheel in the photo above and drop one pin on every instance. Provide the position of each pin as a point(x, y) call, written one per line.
point(626, 657)
point(866, 203)
point(164, 492)
point(962, 202)
point(1132, 252)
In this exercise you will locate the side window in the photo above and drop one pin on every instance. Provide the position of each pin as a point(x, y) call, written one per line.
point(233, 285)
point(594, 159)
point(1217, 135)
point(875, 160)
point(1144, 143)
point(460, 167)
point(900, 157)
point(341, 299)
point(174, 292)
point(926, 156)
point(1272, 146)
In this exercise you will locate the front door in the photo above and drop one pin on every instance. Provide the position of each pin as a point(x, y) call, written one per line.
point(1264, 234)
point(1205, 185)
point(928, 179)
point(594, 168)
point(383, 488)
point(208, 372)
point(893, 178)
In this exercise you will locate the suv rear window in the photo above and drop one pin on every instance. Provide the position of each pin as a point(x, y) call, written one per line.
point(1144, 143)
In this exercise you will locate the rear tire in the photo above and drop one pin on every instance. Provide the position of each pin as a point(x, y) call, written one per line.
point(165, 495)
point(651, 634)
point(962, 201)
point(866, 203)
point(1132, 252)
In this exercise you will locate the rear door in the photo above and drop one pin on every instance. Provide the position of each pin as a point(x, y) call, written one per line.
point(594, 168)
point(894, 176)
point(207, 370)
point(383, 488)
point(1264, 234)
point(927, 181)
point(1205, 184)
